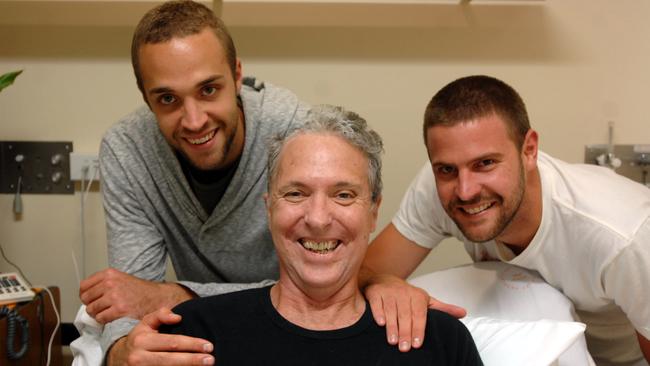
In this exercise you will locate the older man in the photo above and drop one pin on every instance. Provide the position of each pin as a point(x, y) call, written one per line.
point(323, 196)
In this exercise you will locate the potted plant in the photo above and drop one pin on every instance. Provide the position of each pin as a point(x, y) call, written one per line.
point(8, 78)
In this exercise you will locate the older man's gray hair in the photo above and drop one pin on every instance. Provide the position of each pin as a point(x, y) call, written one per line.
point(327, 119)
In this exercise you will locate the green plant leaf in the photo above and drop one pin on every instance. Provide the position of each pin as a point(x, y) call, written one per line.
point(8, 78)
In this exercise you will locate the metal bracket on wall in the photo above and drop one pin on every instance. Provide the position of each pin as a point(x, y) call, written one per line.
point(35, 167)
point(632, 161)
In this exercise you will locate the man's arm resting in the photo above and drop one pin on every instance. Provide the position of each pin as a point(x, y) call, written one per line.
point(391, 257)
point(392, 253)
point(111, 294)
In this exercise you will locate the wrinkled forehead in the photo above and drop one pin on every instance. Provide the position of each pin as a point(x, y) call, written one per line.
point(320, 155)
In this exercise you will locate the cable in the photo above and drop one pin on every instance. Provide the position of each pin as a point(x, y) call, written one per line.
point(13, 265)
point(56, 327)
point(85, 189)
point(12, 318)
point(90, 182)
point(18, 201)
point(25, 332)
point(40, 310)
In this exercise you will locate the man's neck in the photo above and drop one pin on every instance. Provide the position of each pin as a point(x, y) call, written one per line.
point(523, 227)
point(319, 311)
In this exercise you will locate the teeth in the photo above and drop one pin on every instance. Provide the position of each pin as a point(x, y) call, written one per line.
point(321, 247)
point(202, 140)
point(475, 210)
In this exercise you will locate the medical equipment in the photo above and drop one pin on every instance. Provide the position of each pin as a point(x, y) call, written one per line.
point(631, 161)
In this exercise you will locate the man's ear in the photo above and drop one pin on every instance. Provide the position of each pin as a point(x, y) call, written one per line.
point(375, 213)
point(529, 149)
point(238, 76)
point(144, 97)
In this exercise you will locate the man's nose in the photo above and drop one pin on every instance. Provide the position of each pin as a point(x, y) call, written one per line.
point(467, 186)
point(194, 117)
point(318, 214)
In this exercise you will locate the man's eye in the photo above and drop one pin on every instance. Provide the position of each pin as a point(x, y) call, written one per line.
point(208, 91)
point(167, 99)
point(293, 195)
point(485, 162)
point(344, 195)
point(445, 170)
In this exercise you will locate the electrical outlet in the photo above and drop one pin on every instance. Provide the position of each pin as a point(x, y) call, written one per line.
point(83, 166)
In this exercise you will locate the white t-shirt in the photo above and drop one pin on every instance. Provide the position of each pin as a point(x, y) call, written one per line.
point(593, 244)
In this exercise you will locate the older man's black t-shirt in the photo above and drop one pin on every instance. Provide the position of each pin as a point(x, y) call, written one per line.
point(246, 329)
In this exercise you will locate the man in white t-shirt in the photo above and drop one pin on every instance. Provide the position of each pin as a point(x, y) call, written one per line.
point(585, 229)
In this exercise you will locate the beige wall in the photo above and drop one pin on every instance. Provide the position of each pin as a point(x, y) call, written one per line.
point(577, 64)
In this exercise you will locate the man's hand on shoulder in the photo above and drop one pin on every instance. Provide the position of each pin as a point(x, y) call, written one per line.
point(145, 346)
point(402, 308)
point(110, 294)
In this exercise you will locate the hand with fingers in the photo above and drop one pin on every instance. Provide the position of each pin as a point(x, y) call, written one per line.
point(111, 294)
point(402, 308)
point(145, 346)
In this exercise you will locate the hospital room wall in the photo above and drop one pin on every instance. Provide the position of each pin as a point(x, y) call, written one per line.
point(578, 64)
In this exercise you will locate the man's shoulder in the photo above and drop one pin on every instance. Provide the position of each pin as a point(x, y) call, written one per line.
point(564, 176)
point(269, 105)
point(135, 124)
point(270, 92)
point(596, 194)
point(444, 324)
point(227, 316)
point(137, 130)
point(450, 335)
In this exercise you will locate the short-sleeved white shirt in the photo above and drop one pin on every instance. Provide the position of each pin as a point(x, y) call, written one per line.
point(593, 244)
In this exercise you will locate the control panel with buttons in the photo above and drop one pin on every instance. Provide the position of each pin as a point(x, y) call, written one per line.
point(14, 288)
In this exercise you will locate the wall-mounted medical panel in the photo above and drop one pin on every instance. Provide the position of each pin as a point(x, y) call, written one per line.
point(35, 167)
point(632, 161)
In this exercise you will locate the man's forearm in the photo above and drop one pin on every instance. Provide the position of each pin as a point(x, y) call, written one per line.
point(113, 332)
point(115, 352)
point(365, 275)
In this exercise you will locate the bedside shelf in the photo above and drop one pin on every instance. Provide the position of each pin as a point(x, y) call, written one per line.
point(354, 13)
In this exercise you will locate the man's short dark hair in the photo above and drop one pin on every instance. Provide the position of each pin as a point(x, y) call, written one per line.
point(180, 18)
point(477, 96)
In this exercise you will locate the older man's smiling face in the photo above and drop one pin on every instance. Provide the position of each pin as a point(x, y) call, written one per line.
point(320, 211)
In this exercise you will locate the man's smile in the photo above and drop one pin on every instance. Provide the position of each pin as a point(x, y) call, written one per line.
point(319, 246)
point(476, 209)
point(203, 139)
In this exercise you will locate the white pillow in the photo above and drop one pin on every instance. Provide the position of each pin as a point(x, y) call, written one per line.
point(511, 342)
point(515, 300)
